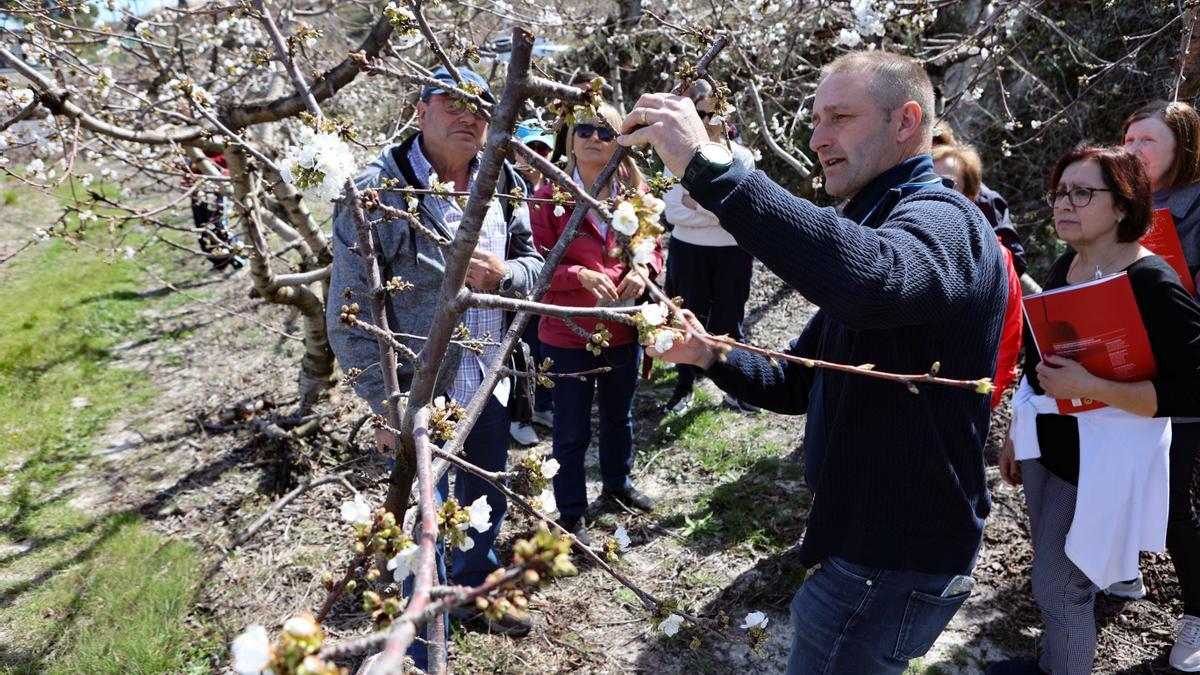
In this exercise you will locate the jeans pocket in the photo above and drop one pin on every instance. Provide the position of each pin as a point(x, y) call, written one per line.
point(925, 617)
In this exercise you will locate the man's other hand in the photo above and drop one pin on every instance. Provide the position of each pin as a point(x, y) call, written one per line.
point(691, 349)
point(485, 271)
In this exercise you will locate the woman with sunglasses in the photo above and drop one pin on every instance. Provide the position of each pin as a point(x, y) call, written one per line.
point(706, 267)
point(1108, 465)
point(1166, 137)
point(592, 273)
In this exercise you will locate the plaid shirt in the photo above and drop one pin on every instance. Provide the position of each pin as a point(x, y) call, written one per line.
point(493, 237)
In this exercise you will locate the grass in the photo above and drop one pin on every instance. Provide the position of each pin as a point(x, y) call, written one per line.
point(80, 591)
point(754, 505)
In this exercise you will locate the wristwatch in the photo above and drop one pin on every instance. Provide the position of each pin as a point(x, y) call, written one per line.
point(506, 280)
point(711, 160)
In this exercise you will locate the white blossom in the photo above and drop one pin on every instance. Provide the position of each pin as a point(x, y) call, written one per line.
point(848, 38)
point(654, 204)
point(625, 219)
point(643, 252)
point(549, 468)
point(251, 651)
point(128, 253)
point(754, 619)
point(481, 514)
point(300, 627)
point(320, 165)
point(546, 499)
point(467, 544)
point(404, 564)
point(654, 313)
point(670, 625)
point(622, 537)
point(665, 340)
point(559, 210)
point(357, 512)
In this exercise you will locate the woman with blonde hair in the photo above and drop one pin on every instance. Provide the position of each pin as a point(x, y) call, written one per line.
point(592, 273)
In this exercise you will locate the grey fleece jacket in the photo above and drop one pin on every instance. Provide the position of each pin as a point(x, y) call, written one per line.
point(414, 259)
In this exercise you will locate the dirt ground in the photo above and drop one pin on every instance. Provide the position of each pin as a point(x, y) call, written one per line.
point(205, 485)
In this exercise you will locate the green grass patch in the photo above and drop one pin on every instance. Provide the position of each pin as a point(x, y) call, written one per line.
point(65, 309)
point(119, 604)
point(80, 591)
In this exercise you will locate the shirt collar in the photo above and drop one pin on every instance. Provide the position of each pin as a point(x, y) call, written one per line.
point(904, 178)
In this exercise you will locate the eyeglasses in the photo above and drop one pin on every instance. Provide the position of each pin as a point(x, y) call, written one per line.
point(705, 115)
point(454, 105)
point(603, 133)
point(1079, 197)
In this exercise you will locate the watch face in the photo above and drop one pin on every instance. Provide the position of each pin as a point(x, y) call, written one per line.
point(716, 153)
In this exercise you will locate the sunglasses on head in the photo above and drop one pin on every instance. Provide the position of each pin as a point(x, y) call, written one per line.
point(603, 133)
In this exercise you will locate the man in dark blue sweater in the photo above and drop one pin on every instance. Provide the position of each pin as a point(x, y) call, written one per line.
point(907, 274)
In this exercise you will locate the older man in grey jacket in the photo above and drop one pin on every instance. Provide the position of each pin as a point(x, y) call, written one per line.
point(504, 261)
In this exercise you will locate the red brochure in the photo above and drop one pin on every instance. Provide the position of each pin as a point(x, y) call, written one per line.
point(1163, 241)
point(1097, 324)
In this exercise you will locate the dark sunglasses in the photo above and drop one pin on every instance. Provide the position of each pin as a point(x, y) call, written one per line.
point(705, 115)
point(603, 133)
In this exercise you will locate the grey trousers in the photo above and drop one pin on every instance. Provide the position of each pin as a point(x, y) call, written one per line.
point(1066, 597)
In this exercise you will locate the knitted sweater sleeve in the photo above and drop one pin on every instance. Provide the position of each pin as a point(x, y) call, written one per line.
point(778, 386)
point(914, 269)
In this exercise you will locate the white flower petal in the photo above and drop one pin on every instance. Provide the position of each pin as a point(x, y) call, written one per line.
point(550, 468)
point(251, 651)
point(670, 625)
point(622, 537)
point(481, 514)
point(756, 619)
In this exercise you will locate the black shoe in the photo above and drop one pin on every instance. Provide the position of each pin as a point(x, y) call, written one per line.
point(681, 399)
point(576, 525)
point(630, 498)
point(513, 623)
point(1015, 667)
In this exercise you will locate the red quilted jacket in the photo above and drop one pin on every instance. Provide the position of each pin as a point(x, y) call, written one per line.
point(587, 251)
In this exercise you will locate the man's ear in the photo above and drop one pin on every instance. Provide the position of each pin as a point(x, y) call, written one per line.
point(422, 106)
point(910, 122)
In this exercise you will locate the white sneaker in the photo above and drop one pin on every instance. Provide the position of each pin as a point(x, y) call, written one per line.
point(1185, 655)
point(523, 434)
point(1129, 590)
point(544, 418)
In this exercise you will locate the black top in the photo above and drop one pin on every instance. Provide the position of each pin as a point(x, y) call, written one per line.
point(995, 209)
point(1172, 320)
point(910, 274)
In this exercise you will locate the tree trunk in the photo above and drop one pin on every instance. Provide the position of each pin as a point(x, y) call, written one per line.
point(316, 368)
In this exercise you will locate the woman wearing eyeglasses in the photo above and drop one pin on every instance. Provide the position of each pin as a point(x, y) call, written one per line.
point(1166, 137)
point(1096, 482)
point(592, 273)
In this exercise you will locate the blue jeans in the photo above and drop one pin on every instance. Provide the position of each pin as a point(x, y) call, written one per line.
point(573, 420)
point(848, 618)
point(487, 448)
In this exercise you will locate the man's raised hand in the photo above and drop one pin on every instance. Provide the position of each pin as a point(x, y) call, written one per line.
point(670, 124)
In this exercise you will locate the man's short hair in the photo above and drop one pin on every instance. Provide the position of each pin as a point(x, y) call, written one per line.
point(895, 79)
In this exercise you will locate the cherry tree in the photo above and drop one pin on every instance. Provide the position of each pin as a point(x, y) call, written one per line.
point(128, 111)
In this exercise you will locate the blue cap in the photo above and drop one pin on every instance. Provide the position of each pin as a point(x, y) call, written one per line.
point(467, 75)
point(531, 131)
